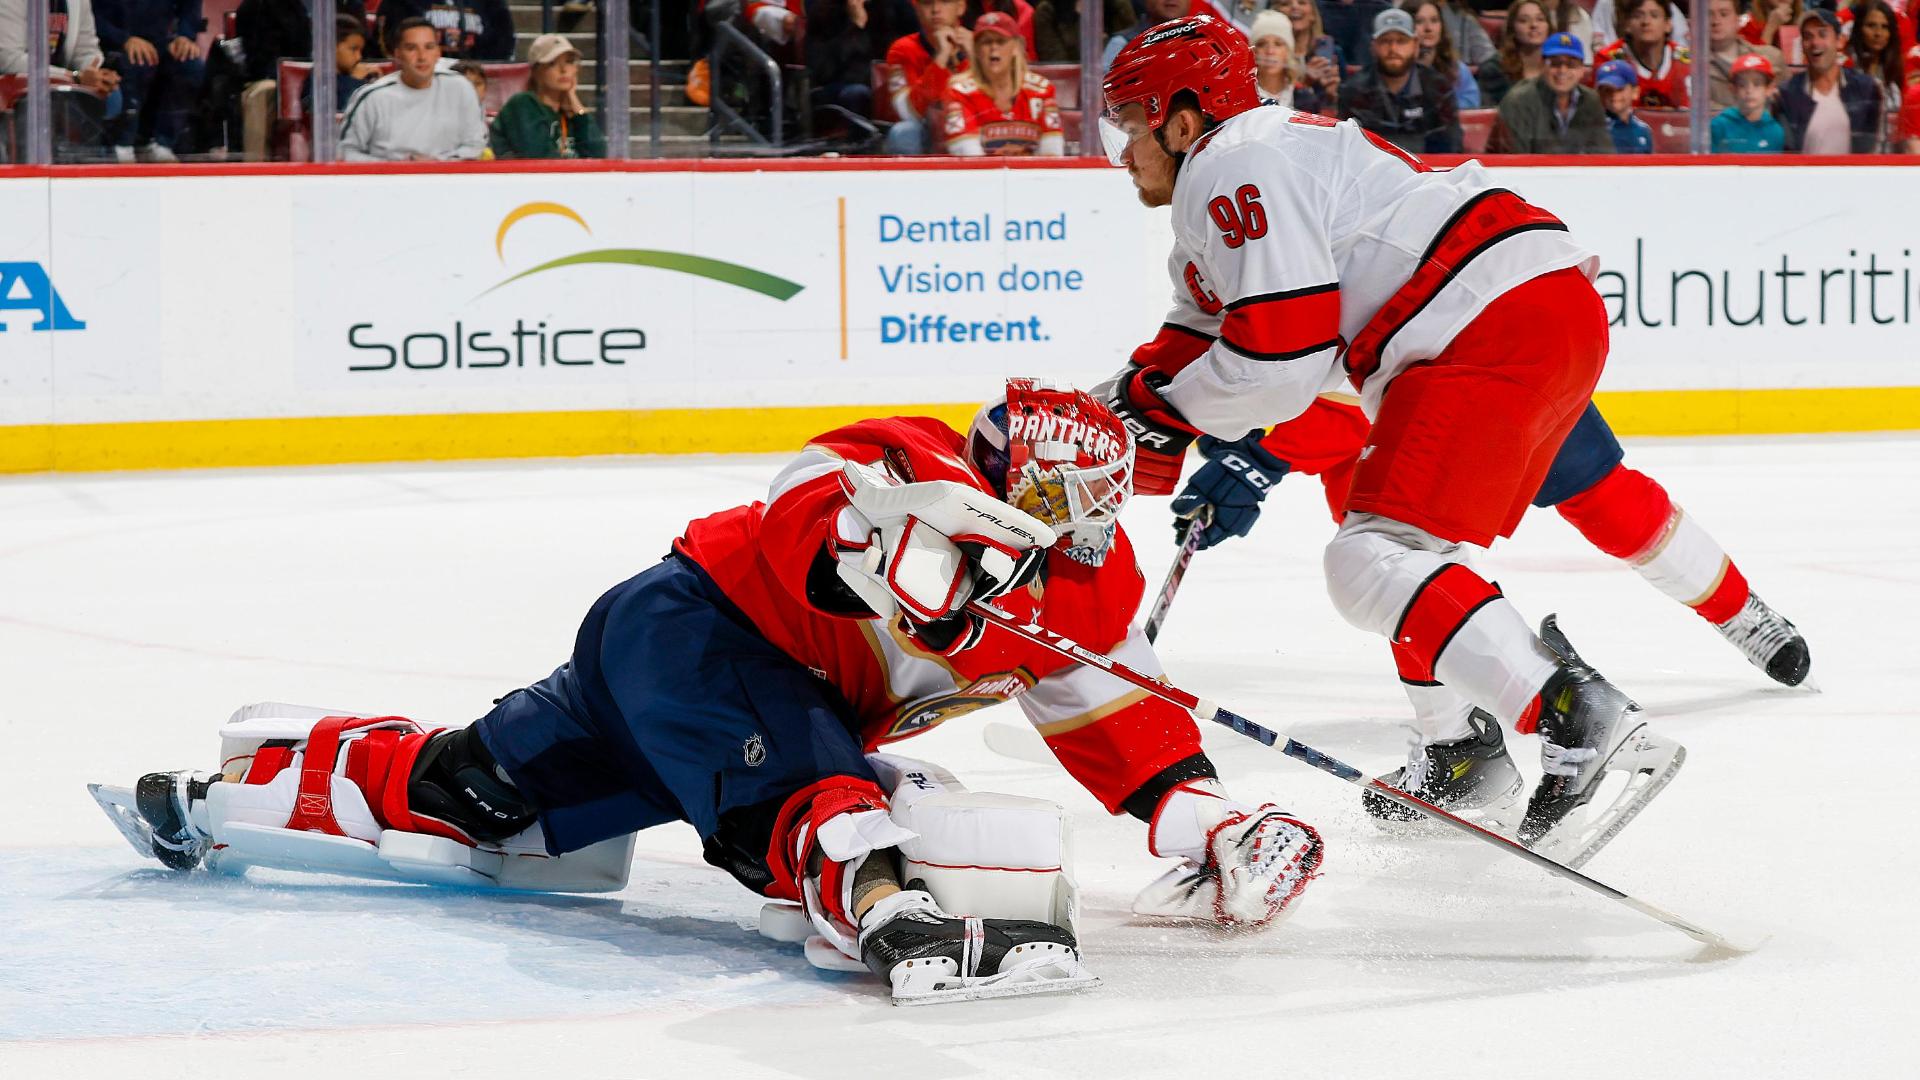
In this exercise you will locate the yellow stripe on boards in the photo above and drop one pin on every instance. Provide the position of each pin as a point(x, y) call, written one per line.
point(1761, 412)
point(331, 440)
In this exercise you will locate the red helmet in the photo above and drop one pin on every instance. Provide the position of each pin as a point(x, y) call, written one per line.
point(1060, 455)
point(1199, 53)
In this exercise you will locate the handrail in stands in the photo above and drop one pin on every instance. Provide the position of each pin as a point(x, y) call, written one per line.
point(727, 38)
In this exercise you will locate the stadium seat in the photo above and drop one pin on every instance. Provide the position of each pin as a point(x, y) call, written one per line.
point(1476, 126)
point(1672, 129)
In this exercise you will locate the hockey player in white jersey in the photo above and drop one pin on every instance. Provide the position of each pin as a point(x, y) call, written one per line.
point(1309, 255)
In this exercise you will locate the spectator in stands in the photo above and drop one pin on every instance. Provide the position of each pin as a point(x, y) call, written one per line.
point(1663, 66)
point(1553, 114)
point(999, 107)
point(1828, 109)
point(1056, 27)
point(1518, 55)
point(1322, 63)
point(1019, 11)
point(150, 43)
point(475, 73)
point(75, 48)
point(1610, 24)
point(1436, 51)
point(840, 55)
point(1400, 99)
point(1153, 13)
point(1274, 68)
point(350, 71)
point(1748, 127)
point(1569, 17)
point(1874, 50)
point(1725, 47)
point(468, 29)
point(1618, 84)
point(417, 113)
point(1350, 23)
point(918, 67)
point(271, 31)
point(1469, 38)
point(74, 52)
point(1764, 19)
point(547, 120)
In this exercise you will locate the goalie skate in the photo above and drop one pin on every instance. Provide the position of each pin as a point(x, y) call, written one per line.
point(153, 817)
point(929, 957)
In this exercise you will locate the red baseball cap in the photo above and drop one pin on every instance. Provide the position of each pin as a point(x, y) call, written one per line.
point(996, 22)
point(1750, 63)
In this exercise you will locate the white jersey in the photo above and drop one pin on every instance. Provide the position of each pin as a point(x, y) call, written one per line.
point(1308, 253)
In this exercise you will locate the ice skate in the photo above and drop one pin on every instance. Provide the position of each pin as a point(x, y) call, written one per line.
point(1590, 730)
point(1473, 777)
point(155, 818)
point(1769, 641)
point(929, 956)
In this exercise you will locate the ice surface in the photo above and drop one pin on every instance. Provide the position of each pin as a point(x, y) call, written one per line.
point(137, 611)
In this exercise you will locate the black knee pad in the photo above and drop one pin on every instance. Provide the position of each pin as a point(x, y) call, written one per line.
point(457, 781)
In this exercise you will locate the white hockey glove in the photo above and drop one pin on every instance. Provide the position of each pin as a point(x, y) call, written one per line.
point(923, 551)
point(1244, 866)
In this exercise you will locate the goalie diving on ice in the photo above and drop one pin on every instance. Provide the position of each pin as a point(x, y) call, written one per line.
point(747, 684)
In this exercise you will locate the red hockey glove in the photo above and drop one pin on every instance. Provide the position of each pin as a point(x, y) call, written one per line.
point(1160, 435)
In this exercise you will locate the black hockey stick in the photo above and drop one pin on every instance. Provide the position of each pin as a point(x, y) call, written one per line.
point(1190, 530)
point(1203, 709)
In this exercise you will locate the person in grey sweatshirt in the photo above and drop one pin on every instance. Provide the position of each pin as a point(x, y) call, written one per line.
point(76, 44)
point(417, 113)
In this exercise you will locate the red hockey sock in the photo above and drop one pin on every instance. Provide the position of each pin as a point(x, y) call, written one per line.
point(1726, 600)
point(1622, 515)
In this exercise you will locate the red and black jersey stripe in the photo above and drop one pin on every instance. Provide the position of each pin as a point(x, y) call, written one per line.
point(1476, 227)
point(1284, 325)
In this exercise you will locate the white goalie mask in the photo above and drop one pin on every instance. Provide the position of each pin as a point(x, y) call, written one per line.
point(1061, 456)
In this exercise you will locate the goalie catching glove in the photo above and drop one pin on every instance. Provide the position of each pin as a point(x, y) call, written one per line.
point(923, 551)
point(1244, 866)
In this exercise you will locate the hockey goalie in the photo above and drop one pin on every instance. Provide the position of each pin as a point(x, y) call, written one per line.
point(746, 685)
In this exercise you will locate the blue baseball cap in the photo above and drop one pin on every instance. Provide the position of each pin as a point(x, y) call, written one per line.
point(1616, 73)
point(1562, 44)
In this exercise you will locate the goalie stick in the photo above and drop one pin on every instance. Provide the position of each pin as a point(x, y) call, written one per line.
point(1189, 543)
point(1204, 709)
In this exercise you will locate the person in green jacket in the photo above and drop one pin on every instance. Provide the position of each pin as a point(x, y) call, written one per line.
point(1553, 114)
point(1748, 128)
point(547, 120)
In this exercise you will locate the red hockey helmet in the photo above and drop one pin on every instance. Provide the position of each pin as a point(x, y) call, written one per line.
point(1060, 455)
point(1199, 53)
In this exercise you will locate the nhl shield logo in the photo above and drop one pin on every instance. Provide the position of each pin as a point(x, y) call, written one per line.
point(754, 750)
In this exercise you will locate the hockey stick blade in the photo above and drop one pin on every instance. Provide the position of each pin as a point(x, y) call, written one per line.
point(1203, 709)
point(1190, 532)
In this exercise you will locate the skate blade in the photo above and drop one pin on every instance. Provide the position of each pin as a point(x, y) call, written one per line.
point(1054, 978)
point(1501, 816)
point(1649, 763)
point(120, 808)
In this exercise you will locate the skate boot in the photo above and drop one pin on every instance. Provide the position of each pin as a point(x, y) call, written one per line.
point(155, 816)
point(1473, 777)
point(927, 955)
point(1589, 728)
point(1768, 641)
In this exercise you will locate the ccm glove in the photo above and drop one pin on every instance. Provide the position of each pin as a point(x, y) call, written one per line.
point(1160, 435)
point(1226, 492)
point(923, 551)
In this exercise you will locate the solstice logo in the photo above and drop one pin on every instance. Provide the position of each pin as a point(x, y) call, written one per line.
point(540, 345)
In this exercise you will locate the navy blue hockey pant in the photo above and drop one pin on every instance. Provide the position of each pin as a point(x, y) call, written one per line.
point(672, 708)
point(1588, 455)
